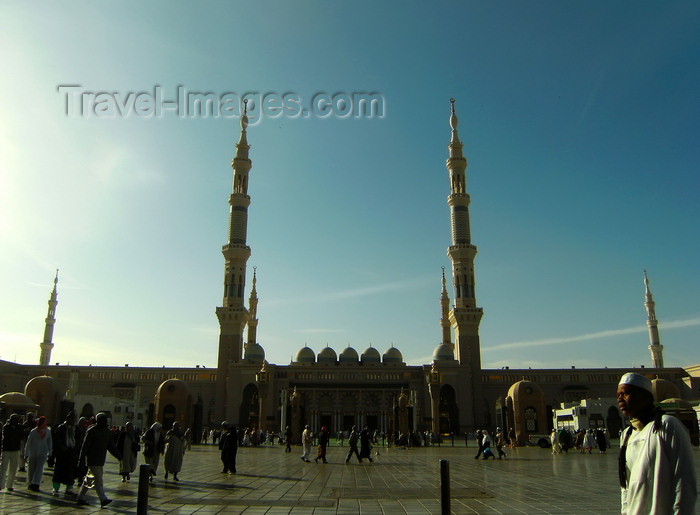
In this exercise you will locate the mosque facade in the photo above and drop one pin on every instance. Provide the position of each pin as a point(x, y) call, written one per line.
point(333, 388)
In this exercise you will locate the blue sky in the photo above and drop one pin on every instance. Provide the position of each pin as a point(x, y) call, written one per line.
point(579, 120)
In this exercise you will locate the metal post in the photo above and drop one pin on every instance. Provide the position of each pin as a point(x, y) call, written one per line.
point(142, 500)
point(445, 487)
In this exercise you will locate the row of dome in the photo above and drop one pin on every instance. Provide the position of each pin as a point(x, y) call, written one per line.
point(348, 355)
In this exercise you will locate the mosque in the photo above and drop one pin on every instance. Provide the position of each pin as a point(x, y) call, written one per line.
point(450, 395)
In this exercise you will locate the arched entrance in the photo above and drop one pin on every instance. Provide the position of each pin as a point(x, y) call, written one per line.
point(169, 414)
point(449, 413)
point(250, 407)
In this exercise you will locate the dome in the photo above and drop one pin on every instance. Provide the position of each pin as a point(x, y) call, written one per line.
point(392, 355)
point(327, 355)
point(305, 355)
point(254, 351)
point(371, 355)
point(173, 387)
point(443, 352)
point(349, 355)
point(524, 389)
point(17, 401)
point(42, 385)
point(664, 389)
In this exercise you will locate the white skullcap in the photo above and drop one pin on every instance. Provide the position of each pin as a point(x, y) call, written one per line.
point(638, 380)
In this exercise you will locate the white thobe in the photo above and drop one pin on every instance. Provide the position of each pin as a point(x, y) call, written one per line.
point(660, 471)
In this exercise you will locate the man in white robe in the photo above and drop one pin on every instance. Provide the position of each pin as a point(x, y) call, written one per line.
point(657, 475)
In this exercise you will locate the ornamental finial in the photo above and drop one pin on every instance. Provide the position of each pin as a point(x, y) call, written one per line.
point(453, 116)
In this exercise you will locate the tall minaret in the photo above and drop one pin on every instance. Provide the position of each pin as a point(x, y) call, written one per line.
point(47, 344)
point(445, 317)
point(253, 312)
point(465, 316)
point(233, 315)
point(655, 347)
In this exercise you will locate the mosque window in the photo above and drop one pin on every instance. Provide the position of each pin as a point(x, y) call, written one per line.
point(530, 420)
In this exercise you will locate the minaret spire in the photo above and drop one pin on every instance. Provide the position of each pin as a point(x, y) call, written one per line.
point(655, 347)
point(253, 312)
point(233, 314)
point(47, 344)
point(445, 310)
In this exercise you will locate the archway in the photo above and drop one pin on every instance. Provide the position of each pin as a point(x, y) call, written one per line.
point(250, 407)
point(169, 414)
point(449, 412)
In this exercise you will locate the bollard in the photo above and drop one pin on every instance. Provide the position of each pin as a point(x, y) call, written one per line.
point(142, 500)
point(445, 487)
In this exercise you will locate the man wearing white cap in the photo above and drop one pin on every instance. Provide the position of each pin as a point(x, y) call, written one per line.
point(657, 474)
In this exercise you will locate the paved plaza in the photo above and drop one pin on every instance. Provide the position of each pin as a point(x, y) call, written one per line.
point(270, 481)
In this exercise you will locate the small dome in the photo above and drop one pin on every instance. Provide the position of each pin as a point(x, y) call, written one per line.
point(42, 384)
point(392, 355)
point(45, 392)
point(371, 355)
point(349, 355)
point(443, 352)
point(17, 401)
point(254, 351)
point(173, 387)
point(305, 355)
point(327, 355)
point(664, 389)
point(524, 389)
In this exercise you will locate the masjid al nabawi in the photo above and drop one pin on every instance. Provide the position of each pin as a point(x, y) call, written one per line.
point(453, 394)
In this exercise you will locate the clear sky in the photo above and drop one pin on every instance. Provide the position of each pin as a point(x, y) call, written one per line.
point(580, 122)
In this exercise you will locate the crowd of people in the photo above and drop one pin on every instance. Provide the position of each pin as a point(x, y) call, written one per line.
point(77, 451)
point(656, 469)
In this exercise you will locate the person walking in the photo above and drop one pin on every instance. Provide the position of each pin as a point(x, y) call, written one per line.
point(65, 455)
point(480, 443)
point(98, 440)
point(601, 441)
point(486, 445)
point(306, 437)
point(588, 442)
point(228, 445)
point(128, 447)
point(365, 445)
point(554, 440)
point(174, 451)
point(500, 442)
point(38, 448)
point(153, 447)
point(322, 444)
point(353, 438)
point(288, 439)
point(27, 426)
point(12, 435)
point(80, 431)
point(657, 474)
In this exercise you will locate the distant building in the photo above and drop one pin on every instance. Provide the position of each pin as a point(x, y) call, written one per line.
point(338, 389)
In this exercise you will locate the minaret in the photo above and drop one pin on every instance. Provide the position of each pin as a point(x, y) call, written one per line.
point(655, 347)
point(253, 312)
point(445, 310)
point(47, 344)
point(465, 316)
point(233, 315)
